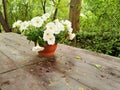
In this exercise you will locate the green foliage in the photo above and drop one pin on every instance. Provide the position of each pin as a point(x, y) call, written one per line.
point(61, 38)
point(22, 10)
point(63, 9)
point(36, 36)
point(101, 15)
point(106, 42)
point(27, 9)
point(100, 26)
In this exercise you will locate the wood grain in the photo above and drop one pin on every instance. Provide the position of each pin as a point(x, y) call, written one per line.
point(70, 69)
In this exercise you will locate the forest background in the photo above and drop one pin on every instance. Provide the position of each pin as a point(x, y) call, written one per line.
point(99, 20)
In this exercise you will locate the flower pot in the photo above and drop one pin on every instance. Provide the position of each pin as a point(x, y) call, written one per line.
point(48, 51)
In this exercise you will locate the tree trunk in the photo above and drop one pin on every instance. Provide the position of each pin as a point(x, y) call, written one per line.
point(74, 15)
point(56, 9)
point(5, 14)
point(3, 22)
point(43, 3)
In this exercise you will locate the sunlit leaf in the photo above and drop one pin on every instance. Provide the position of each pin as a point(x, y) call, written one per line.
point(77, 57)
point(69, 88)
point(80, 88)
point(97, 66)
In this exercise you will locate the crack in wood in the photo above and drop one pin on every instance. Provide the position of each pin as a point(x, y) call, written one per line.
point(9, 71)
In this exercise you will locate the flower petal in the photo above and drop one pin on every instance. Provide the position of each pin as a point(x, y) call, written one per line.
point(37, 48)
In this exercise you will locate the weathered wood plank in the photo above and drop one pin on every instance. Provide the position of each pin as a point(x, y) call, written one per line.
point(70, 69)
point(90, 57)
point(19, 80)
point(18, 50)
point(62, 76)
point(6, 64)
point(43, 75)
point(105, 78)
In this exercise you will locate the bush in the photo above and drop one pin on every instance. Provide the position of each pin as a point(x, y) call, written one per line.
point(102, 42)
point(100, 26)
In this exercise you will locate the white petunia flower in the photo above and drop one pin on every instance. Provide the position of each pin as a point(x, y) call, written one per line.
point(67, 23)
point(37, 21)
point(47, 34)
point(71, 35)
point(29, 22)
point(51, 26)
point(51, 40)
point(49, 37)
point(24, 25)
point(45, 16)
point(70, 29)
point(37, 48)
point(60, 26)
point(17, 23)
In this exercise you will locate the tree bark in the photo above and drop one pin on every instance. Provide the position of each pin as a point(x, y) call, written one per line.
point(74, 15)
point(56, 9)
point(3, 23)
point(43, 3)
point(5, 14)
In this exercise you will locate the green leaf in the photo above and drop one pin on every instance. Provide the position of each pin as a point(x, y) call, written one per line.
point(77, 57)
point(97, 66)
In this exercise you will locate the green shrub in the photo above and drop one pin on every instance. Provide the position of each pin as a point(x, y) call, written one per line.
point(102, 42)
point(100, 26)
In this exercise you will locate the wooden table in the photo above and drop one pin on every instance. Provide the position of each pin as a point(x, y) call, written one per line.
point(71, 68)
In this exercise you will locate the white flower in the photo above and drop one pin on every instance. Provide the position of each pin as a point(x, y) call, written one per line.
point(37, 21)
point(60, 26)
point(45, 16)
point(29, 22)
point(47, 34)
point(71, 35)
point(17, 23)
point(83, 15)
point(49, 37)
point(24, 25)
point(37, 48)
point(51, 40)
point(67, 23)
point(46, 31)
point(70, 29)
point(51, 26)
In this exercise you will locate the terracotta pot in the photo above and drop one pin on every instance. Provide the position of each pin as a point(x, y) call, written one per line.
point(48, 51)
